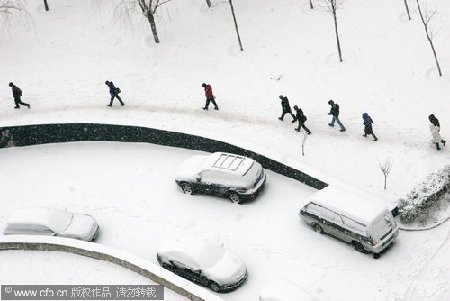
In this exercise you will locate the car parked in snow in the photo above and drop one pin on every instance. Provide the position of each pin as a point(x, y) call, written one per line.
point(52, 221)
point(283, 290)
point(355, 219)
point(203, 262)
point(236, 177)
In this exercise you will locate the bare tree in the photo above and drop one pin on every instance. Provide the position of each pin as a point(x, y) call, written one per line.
point(426, 19)
point(46, 5)
point(10, 10)
point(148, 9)
point(407, 9)
point(385, 169)
point(331, 7)
point(236, 25)
point(9, 6)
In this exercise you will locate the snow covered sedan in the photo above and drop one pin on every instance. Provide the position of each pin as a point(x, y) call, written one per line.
point(233, 176)
point(203, 263)
point(52, 221)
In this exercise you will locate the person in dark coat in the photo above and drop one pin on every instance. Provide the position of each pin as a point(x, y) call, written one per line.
point(368, 130)
point(286, 107)
point(335, 112)
point(209, 97)
point(301, 120)
point(114, 91)
point(17, 94)
point(435, 128)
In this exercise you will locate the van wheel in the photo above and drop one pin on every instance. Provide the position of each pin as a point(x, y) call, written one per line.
point(187, 189)
point(317, 228)
point(359, 247)
point(234, 198)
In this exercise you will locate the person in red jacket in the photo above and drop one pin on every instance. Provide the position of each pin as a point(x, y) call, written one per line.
point(209, 97)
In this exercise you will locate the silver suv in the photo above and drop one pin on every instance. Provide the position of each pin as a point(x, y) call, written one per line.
point(236, 177)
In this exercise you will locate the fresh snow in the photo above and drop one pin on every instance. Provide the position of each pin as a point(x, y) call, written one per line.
point(129, 188)
point(357, 207)
point(61, 59)
point(60, 268)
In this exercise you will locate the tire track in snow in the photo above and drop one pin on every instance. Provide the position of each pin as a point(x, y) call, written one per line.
point(410, 289)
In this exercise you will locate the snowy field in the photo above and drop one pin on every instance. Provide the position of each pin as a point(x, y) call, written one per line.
point(61, 59)
point(130, 189)
point(60, 268)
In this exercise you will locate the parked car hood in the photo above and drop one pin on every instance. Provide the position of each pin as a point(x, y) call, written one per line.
point(189, 168)
point(230, 269)
point(82, 226)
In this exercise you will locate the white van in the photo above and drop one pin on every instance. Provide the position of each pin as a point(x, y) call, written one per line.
point(368, 226)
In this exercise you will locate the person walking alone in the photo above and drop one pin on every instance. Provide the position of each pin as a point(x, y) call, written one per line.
point(114, 91)
point(301, 120)
point(435, 129)
point(286, 107)
point(209, 97)
point(335, 112)
point(17, 94)
point(368, 130)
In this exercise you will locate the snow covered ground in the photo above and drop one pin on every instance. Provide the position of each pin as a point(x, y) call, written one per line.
point(62, 58)
point(60, 268)
point(130, 189)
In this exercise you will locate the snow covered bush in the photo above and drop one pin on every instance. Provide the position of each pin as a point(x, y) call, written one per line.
point(418, 203)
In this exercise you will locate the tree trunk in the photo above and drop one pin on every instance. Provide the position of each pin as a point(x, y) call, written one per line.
point(407, 9)
point(311, 5)
point(209, 2)
point(425, 24)
point(337, 35)
point(151, 20)
point(435, 56)
point(46, 5)
point(385, 179)
point(236, 25)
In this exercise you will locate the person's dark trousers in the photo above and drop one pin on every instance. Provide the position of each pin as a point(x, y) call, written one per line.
point(302, 125)
point(116, 96)
point(284, 113)
point(209, 100)
point(19, 102)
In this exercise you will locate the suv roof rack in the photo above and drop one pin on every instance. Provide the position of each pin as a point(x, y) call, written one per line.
point(228, 161)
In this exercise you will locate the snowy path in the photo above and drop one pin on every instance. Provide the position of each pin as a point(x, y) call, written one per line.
point(129, 188)
point(345, 156)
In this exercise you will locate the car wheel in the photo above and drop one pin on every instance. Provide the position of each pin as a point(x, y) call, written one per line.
point(187, 188)
point(234, 198)
point(214, 287)
point(317, 228)
point(376, 255)
point(359, 247)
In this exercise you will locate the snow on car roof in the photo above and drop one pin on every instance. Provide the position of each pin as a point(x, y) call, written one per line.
point(53, 218)
point(194, 251)
point(230, 162)
point(355, 206)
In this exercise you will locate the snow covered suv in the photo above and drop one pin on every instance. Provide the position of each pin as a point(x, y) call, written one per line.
point(233, 176)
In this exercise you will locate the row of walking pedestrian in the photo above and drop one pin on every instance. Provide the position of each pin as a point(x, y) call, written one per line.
point(299, 116)
point(17, 95)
